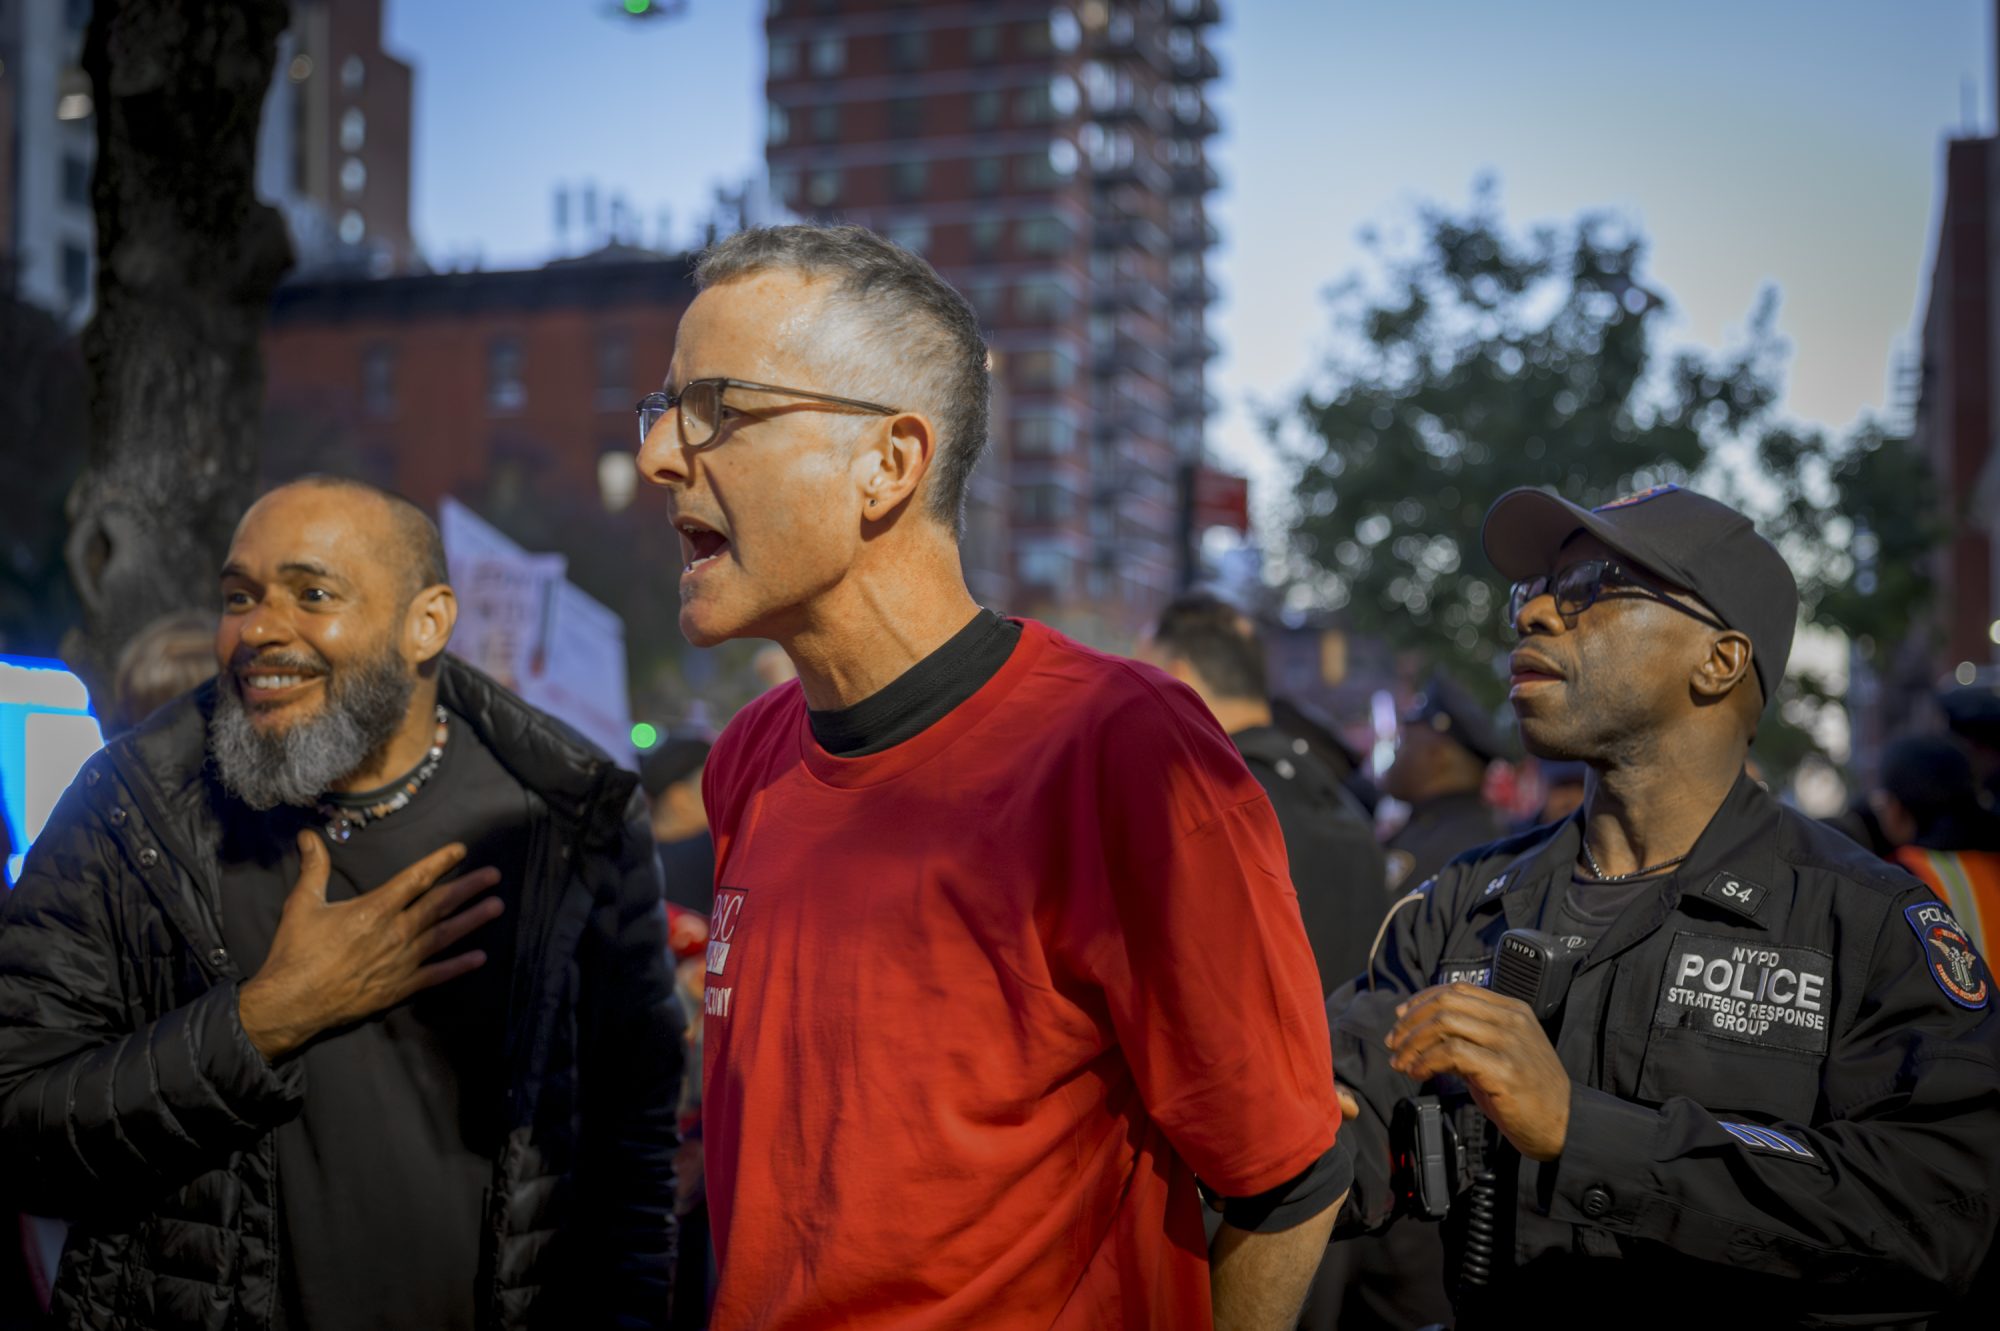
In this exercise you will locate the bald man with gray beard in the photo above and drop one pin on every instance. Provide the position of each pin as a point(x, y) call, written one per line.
point(334, 995)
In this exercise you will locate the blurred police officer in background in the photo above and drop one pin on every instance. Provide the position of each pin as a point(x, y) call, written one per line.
point(1758, 1085)
point(1564, 786)
point(1443, 747)
point(1213, 648)
point(1972, 711)
point(1310, 732)
point(1927, 804)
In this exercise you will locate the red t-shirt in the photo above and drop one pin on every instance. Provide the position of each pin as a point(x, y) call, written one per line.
point(981, 1006)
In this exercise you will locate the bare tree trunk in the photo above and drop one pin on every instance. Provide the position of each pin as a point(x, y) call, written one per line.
point(187, 259)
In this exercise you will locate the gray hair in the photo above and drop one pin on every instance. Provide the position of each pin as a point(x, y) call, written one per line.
point(365, 705)
point(916, 342)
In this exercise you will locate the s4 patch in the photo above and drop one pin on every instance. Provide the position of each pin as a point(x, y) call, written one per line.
point(1733, 892)
point(1949, 955)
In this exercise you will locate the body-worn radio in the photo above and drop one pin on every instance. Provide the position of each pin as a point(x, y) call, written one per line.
point(1442, 1147)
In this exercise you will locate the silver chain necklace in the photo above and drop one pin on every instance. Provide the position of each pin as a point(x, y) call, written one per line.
point(342, 823)
point(1604, 877)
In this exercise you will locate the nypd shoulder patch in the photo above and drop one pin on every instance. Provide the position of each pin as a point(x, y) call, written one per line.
point(1769, 1141)
point(1949, 955)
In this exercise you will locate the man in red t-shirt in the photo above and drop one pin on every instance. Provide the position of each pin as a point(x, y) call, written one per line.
point(1004, 954)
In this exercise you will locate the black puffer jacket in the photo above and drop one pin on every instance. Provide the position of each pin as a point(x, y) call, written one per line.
point(133, 1104)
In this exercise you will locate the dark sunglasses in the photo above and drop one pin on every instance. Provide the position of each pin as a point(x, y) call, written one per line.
point(1581, 585)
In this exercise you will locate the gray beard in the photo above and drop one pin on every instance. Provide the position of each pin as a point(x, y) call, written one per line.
point(365, 705)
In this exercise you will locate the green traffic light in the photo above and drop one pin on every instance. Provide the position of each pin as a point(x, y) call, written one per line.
point(636, 7)
point(644, 736)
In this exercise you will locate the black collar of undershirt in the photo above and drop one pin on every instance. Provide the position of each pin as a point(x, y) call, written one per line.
point(924, 694)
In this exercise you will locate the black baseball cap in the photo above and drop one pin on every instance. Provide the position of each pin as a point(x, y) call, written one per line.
point(1446, 707)
point(1688, 539)
point(1972, 712)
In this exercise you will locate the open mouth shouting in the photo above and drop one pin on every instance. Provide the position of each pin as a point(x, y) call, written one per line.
point(701, 545)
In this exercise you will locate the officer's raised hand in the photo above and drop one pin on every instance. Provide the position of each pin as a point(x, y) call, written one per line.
point(1496, 1047)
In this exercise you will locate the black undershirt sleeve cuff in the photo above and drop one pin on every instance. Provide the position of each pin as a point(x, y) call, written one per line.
point(1292, 1203)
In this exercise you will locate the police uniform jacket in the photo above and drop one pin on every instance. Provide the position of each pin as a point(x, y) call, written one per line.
point(1784, 1103)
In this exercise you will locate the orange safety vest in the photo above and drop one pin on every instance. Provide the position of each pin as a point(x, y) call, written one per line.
point(1966, 880)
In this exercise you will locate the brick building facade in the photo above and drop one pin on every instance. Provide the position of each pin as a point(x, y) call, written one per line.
point(463, 383)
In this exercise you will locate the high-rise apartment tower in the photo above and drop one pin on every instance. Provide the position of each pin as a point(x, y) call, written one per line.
point(1050, 160)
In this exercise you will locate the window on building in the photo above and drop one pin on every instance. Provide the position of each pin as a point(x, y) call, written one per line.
point(614, 370)
point(1065, 33)
point(906, 116)
point(504, 390)
point(1043, 564)
point(1043, 505)
point(988, 173)
point(784, 57)
point(777, 125)
point(908, 179)
point(823, 187)
point(986, 233)
point(75, 272)
point(75, 181)
point(987, 105)
point(353, 176)
point(1046, 234)
point(1034, 106)
point(829, 56)
point(1035, 38)
point(912, 233)
point(1047, 367)
point(1064, 99)
point(353, 129)
point(353, 230)
point(908, 49)
point(1043, 300)
point(352, 72)
point(1050, 434)
point(1038, 171)
point(988, 296)
point(983, 44)
point(825, 124)
point(378, 380)
point(785, 185)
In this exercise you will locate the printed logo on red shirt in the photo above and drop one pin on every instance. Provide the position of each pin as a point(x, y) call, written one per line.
point(729, 903)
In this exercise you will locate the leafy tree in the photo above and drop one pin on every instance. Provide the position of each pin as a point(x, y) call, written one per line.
point(1485, 360)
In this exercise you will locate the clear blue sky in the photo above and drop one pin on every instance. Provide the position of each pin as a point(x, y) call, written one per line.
point(1786, 142)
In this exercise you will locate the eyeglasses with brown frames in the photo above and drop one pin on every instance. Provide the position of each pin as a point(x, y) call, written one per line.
point(699, 407)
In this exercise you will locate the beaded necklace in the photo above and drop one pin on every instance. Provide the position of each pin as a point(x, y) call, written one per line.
point(343, 821)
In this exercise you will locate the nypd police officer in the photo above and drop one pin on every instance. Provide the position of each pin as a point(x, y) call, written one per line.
point(1770, 1095)
point(1444, 744)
